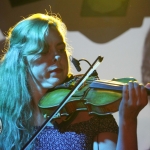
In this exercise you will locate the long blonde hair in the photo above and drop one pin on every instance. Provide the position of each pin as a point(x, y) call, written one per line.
point(25, 38)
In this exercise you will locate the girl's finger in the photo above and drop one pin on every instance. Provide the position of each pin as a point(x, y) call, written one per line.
point(144, 95)
point(125, 93)
point(131, 92)
point(137, 88)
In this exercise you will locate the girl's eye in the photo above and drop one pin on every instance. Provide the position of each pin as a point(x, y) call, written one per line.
point(62, 50)
point(61, 47)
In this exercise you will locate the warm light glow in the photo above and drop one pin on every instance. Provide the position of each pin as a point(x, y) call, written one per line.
point(105, 6)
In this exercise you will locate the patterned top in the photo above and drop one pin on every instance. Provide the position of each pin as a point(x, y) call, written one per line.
point(78, 136)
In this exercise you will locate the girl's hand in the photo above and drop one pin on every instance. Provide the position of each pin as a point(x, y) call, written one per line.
point(134, 99)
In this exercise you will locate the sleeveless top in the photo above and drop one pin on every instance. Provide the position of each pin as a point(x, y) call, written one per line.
point(78, 136)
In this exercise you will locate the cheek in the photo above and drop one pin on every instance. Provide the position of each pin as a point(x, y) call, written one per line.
point(66, 61)
point(66, 64)
point(39, 71)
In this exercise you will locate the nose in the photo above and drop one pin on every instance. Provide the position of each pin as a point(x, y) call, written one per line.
point(55, 54)
point(56, 57)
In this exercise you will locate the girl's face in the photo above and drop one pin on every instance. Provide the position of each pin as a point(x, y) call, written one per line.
point(50, 69)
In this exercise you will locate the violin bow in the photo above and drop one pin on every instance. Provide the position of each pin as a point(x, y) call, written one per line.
point(95, 64)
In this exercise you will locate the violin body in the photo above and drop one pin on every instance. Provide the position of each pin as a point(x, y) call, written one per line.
point(92, 96)
point(51, 100)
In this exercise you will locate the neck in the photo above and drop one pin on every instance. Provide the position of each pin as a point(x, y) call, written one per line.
point(38, 118)
point(37, 93)
point(37, 115)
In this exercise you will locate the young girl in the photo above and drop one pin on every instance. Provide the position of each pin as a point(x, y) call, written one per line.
point(37, 60)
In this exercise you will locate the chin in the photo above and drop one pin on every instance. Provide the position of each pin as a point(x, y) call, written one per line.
point(58, 82)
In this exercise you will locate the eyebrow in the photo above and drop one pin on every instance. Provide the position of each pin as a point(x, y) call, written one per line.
point(61, 43)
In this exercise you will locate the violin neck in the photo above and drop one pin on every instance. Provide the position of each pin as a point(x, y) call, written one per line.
point(110, 85)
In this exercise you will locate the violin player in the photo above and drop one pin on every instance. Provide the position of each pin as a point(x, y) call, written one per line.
point(36, 60)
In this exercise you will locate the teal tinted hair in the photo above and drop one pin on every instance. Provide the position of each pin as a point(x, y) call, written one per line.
point(25, 38)
point(30, 33)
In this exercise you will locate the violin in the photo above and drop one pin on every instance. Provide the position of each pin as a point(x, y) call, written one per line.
point(96, 96)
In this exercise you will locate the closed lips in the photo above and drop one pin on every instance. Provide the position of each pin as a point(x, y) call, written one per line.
point(58, 70)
